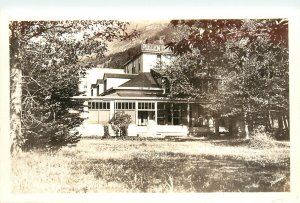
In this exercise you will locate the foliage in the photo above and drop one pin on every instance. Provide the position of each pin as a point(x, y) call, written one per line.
point(120, 123)
point(249, 56)
point(262, 139)
point(106, 131)
point(49, 57)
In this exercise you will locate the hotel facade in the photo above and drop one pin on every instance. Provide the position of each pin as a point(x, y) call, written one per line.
point(138, 90)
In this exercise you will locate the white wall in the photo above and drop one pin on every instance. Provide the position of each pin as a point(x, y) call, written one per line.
point(101, 88)
point(149, 61)
point(115, 82)
point(94, 92)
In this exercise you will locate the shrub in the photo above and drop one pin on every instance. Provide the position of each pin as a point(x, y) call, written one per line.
point(282, 134)
point(120, 123)
point(262, 139)
point(106, 131)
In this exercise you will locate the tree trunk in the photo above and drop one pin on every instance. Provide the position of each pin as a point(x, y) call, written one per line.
point(232, 127)
point(246, 126)
point(15, 107)
point(15, 94)
point(268, 122)
point(285, 120)
point(250, 124)
point(217, 126)
point(280, 121)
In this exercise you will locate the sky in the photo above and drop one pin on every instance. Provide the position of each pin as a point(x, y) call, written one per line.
point(148, 3)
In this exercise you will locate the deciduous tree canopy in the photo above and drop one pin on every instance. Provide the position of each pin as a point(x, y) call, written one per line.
point(46, 64)
point(249, 56)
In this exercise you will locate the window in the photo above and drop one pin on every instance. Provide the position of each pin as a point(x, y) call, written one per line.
point(105, 85)
point(125, 105)
point(139, 64)
point(99, 105)
point(161, 116)
point(144, 117)
point(171, 113)
point(146, 113)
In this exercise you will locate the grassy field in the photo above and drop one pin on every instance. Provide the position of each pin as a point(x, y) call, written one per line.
point(111, 165)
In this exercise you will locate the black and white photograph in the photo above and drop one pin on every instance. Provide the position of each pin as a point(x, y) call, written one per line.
point(135, 106)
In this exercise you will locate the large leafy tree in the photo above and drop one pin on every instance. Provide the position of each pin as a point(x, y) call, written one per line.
point(46, 64)
point(250, 56)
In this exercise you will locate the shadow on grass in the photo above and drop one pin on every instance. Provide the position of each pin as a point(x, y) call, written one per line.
point(230, 142)
point(168, 172)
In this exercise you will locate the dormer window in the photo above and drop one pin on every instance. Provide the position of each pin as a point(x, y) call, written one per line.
point(139, 64)
point(105, 85)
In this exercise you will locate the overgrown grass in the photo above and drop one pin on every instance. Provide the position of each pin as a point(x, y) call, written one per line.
point(154, 166)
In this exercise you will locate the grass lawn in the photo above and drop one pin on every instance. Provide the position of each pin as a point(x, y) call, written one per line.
point(96, 165)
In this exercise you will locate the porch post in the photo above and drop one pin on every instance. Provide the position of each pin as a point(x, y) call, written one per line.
point(156, 113)
point(188, 114)
point(136, 113)
point(111, 109)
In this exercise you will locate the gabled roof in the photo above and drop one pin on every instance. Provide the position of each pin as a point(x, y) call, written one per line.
point(99, 81)
point(141, 80)
point(93, 86)
point(116, 75)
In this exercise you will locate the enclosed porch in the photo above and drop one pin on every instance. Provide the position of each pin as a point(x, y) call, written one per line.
point(153, 118)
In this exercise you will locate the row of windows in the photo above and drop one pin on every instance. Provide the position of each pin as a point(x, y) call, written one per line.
point(125, 105)
point(122, 105)
point(99, 105)
point(146, 105)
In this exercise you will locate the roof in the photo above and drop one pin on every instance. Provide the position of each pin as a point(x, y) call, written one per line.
point(159, 98)
point(99, 81)
point(93, 86)
point(116, 75)
point(141, 80)
point(140, 94)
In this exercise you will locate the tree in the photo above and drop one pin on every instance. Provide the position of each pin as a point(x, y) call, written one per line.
point(45, 65)
point(250, 56)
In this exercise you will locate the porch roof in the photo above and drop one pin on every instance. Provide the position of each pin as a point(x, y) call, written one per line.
point(116, 96)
